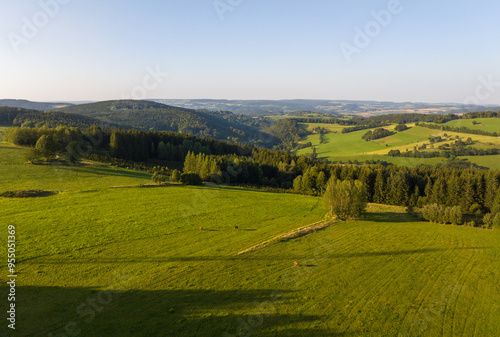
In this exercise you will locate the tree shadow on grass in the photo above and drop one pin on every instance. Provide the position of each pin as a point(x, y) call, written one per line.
point(389, 217)
point(58, 311)
point(105, 171)
point(289, 260)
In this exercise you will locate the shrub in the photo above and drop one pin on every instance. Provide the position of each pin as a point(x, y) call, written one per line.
point(32, 155)
point(158, 178)
point(176, 176)
point(491, 221)
point(191, 179)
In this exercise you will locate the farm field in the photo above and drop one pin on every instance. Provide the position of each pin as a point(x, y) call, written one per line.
point(485, 124)
point(129, 261)
point(350, 146)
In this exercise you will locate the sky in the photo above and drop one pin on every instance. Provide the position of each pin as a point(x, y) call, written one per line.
point(385, 50)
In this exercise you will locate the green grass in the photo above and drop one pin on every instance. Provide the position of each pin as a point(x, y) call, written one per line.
point(350, 146)
point(16, 174)
point(492, 162)
point(486, 124)
point(327, 126)
point(338, 144)
point(110, 261)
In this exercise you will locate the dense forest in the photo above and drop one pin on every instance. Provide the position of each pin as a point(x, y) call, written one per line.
point(50, 119)
point(152, 116)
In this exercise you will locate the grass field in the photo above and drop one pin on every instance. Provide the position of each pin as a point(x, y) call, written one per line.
point(97, 260)
point(485, 124)
point(345, 147)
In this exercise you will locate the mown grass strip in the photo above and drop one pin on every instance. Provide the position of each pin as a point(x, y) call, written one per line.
point(296, 233)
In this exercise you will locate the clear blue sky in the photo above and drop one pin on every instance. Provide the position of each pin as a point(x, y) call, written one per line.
point(430, 51)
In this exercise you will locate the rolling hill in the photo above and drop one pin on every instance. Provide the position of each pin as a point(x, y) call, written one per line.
point(346, 107)
point(349, 147)
point(51, 119)
point(147, 115)
point(25, 104)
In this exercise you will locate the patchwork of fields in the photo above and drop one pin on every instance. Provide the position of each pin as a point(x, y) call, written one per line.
point(344, 147)
point(98, 260)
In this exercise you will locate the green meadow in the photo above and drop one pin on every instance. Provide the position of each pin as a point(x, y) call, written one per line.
point(485, 124)
point(105, 257)
point(344, 147)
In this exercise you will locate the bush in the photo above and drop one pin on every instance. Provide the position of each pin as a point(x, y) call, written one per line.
point(176, 176)
point(491, 221)
point(158, 178)
point(191, 179)
point(32, 155)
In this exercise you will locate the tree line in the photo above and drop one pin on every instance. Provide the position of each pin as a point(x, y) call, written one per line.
point(461, 129)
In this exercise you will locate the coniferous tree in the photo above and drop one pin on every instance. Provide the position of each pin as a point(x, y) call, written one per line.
point(321, 182)
point(379, 195)
point(297, 185)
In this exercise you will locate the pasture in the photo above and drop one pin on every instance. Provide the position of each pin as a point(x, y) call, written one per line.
point(350, 146)
point(105, 258)
point(484, 124)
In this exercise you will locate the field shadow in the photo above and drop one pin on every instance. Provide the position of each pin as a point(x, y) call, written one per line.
point(41, 311)
point(389, 217)
point(28, 194)
point(289, 259)
point(105, 171)
point(402, 252)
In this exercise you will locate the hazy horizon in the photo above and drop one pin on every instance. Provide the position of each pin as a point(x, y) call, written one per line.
point(236, 99)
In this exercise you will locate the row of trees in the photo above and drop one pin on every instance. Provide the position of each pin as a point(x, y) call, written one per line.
point(461, 129)
point(360, 127)
point(442, 214)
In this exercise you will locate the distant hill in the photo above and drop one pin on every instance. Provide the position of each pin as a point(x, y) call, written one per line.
point(51, 119)
point(356, 108)
point(149, 115)
point(25, 104)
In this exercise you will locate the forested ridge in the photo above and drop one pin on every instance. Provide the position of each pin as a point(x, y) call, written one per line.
point(50, 119)
point(147, 115)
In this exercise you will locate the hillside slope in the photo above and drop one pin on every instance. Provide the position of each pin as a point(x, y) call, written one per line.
point(146, 115)
point(25, 104)
point(34, 118)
